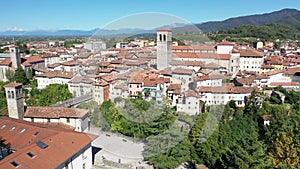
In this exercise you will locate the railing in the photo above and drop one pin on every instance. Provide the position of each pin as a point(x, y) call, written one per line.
point(73, 101)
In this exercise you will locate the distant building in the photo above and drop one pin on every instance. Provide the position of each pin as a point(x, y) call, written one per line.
point(121, 45)
point(53, 77)
point(95, 46)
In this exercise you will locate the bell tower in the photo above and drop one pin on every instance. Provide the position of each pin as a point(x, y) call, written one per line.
point(164, 48)
point(15, 56)
point(15, 100)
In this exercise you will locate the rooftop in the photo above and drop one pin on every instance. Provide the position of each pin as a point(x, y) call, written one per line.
point(28, 138)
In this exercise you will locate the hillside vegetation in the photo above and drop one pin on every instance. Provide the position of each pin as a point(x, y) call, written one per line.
point(268, 32)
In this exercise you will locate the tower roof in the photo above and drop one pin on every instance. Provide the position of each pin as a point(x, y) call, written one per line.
point(165, 29)
point(13, 84)
point(226, 43)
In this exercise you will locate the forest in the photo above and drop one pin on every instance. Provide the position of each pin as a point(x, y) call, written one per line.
point(238, 138)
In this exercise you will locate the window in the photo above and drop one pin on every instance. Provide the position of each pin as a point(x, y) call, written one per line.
point(48, 120)
point(68, 120)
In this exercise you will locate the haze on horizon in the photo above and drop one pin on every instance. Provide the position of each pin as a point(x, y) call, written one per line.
point(82, 15)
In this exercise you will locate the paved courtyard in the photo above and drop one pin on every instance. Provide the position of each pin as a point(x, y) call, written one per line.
point(117, 150)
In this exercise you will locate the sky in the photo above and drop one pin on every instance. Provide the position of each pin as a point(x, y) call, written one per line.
point(91, 14)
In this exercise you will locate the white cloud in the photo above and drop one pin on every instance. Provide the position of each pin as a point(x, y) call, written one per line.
point(15, 29)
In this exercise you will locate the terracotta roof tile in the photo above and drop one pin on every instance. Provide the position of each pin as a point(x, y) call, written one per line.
point(182, 71)
point(165, 29)
point(6, 62)
point(54, 112)
point(57, 74)
point(62, 143)
point(226, 43)
point(13, 84)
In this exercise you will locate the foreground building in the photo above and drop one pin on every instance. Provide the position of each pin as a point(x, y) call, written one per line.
point(71, 118)
point(31, 145)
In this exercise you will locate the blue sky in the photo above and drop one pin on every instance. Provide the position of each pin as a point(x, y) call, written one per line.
point(90, 14)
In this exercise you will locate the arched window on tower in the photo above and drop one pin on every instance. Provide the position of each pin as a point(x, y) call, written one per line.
point(9, 95)
point(12, 95)
point(160, 37)
point(165, 38)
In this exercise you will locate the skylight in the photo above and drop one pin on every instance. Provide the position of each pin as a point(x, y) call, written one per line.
point(22, 131)
point(15, 164)
point(14, 127)
point(3, 126)
point(36, 133)
point(42, 144)
point(30, 155)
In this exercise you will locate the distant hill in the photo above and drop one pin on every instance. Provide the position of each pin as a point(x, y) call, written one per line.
point(249, 33)
point(286, 16)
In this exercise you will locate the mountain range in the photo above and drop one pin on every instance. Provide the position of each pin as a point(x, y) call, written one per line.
point(285, 16)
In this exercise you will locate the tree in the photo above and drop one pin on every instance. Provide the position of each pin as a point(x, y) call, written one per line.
point(2, 96)
point(9, 74)
point(50, 95)
point(20, 76)
point(285, 150)
point(252, 105)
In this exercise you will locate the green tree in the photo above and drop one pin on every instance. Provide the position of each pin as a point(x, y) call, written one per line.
point(285, 150)
point(50, 95)
point(20, 76)
point(3, 103)
point(10, 75)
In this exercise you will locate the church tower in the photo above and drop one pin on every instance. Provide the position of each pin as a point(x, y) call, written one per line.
point(15, 101)
point(15, 57)
point(164, 48)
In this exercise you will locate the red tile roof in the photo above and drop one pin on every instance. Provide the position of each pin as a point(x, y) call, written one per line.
point(192, 93)
point(274, 84)
point(194, 48)
point(195, 55)
point(6, 62)
point(182, 71)
point(23, 136)
point(165, 29)
point(54, 112)
point(249, 52)
point(13, 84)
point(57, 74)
point(226, 43)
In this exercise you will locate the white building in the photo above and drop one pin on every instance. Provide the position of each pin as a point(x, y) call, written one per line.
point(251, 60)
point(95, 46)
point(186, 76)
point(190, 103)
point(76, 119)
point(223, 94)
point(80, 85)
point(53, 77)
